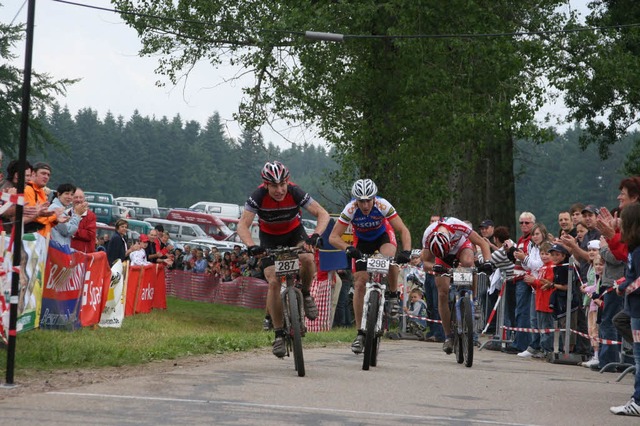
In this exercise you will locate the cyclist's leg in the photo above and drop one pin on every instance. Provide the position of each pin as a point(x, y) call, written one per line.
point(359, 288)
point(274, 302)
point(442, 283)
point(389, 250)
point(307, 270)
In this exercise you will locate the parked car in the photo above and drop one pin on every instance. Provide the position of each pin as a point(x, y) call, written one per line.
point(232, 224)
point(109, 213)
point(140, 226)
point(178, 231)
point(212, 242)
point(233, 211)
point(141, 212)
point(139, 201)
point(163, 211)
point(213, 226)
point(99, 197)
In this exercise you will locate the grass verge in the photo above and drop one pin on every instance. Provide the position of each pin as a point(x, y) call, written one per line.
point(185, 328)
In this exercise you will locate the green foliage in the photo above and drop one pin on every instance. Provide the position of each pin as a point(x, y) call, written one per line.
point(426, 118)
point(555, 175)
point(177, 162)
point(599, 76)
point(43, 92)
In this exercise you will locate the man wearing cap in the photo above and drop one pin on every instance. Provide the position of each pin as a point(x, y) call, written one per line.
point(486, 230)
point(35, 196)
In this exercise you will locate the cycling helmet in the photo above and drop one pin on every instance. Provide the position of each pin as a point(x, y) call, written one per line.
point(416, 253)
point(439, 244)
point(275, 172)
point(364, 189)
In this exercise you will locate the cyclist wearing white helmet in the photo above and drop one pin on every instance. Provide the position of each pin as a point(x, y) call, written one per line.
point(445, 242)
point(277, 204)
point(373, 220)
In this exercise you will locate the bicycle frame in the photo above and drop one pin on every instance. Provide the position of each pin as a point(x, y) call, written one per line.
point(461, 304)
point(377, 268)
point(287, 265)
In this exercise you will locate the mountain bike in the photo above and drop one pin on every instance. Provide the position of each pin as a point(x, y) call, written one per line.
point(461, 306)
point(374, 320)
point(287, 266)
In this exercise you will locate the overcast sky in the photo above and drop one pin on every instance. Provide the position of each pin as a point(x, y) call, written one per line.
point(77, 42)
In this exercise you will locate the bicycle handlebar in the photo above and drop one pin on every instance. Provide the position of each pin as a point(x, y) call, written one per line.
point(285, 250)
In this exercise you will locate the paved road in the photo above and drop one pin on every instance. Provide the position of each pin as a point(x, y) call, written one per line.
point(415, 383)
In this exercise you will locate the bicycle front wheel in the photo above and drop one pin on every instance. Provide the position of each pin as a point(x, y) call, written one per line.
point(295, 301)
point(370, 339)
point(466, 336)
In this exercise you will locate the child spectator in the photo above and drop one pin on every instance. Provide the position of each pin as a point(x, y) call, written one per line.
point(542, 284)
point(630, 288)
point(558, 300)
point(418, 310)
point(593, 302)
point(139, 257)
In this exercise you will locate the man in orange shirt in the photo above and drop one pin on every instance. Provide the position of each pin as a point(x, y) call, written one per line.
point(35, 196)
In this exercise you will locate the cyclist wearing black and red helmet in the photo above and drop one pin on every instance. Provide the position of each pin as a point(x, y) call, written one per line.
point(445, 242)
point(277, 204)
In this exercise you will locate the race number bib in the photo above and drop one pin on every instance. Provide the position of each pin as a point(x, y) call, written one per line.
point(287, 266)
point(463, 278)
point(375, 264)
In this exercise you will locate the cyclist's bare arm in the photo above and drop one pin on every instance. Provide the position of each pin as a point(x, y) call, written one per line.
point(476, 239)
point(428, 260)
point(244, 227)
point(322, 217)
point(405, 235)
point(335, 239)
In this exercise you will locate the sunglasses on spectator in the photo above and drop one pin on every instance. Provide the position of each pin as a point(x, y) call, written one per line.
point(524, 222)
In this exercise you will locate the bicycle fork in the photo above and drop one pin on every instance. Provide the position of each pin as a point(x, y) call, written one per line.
point(378, 288)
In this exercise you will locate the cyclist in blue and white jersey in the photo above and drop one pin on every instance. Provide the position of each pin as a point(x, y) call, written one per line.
point(373, 220)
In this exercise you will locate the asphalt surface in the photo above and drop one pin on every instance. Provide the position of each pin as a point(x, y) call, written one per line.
point(414, 383)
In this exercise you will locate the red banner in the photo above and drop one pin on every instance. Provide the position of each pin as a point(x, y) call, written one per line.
point(96, 287)
point(76, 288)
point(145, 289)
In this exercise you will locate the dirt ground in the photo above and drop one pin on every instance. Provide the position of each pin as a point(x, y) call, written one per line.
point(29, 382)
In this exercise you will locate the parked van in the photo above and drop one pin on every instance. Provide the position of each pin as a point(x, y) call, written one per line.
point(210, 224)
point(139, 226)
point(141, 212)
point(109, 213)
point(178, 231)
point(139, 201)
point(232, 211)
point(99, 197)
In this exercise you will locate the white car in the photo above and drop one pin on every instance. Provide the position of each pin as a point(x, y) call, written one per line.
point(221, 245)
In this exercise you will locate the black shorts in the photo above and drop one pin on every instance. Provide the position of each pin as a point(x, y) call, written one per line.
point(290, 239)
point(370, 247)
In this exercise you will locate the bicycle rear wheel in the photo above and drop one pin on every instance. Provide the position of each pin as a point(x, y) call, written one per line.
point(295, 301)
point(466, 336)
point(370, 338)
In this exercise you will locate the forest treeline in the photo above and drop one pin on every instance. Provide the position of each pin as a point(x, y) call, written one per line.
point(180, 162)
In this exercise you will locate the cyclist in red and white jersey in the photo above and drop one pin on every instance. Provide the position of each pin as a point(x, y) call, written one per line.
point(373, 220)
point(277, 204)
point(445, 242)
